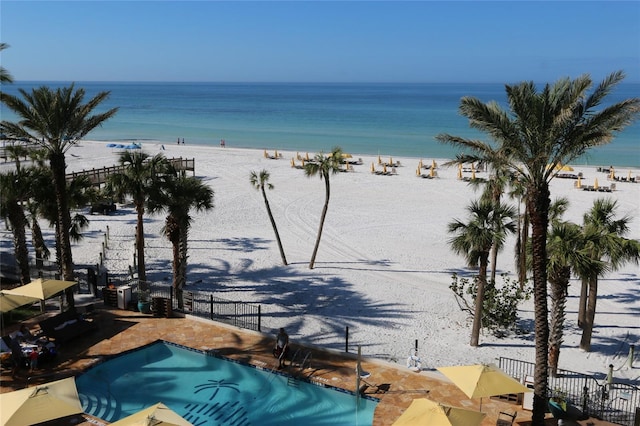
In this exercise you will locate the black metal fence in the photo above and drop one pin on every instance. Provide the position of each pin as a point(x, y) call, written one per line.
point(612, 402)
point(204, 304)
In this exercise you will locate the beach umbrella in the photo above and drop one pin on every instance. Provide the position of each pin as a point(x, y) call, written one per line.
point(418, 171)
point(612, 174)
point(41, 289)
point(156, 415)
point(579, 183)
point(473, 172)
point(9, 302)
point(306, 157)
point(40, 404)
point(433, 164)
point(384, 168)
point(347, 155)
point(390, 161)
point(420, 165)
point(432, 172)
point(595, 184)
point(423, 411)
point(265, 154)
point(276, 153)
point(460, 171)
point(629, 176)
point(379, 160)
point(373, 168)
point(293, 162)
point(482, 380)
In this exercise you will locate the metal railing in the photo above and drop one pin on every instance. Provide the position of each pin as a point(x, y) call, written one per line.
point(612, 402)
point(204, 304)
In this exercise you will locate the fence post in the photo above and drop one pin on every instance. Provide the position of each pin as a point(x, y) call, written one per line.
point(107, 231)
point(346, 340)
point(101, 260)
point(211, 306)
point(259, 317)
point(610, 375)
point(631, 355)
point(106, 240)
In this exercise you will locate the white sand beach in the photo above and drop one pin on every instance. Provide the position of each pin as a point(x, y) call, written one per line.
point(384, 265)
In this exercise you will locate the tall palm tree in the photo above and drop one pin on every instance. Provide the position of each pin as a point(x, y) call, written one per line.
point(56, 120)
point(605, 242)
point(138, 178)
point(488, 226)
point(260, 181)
point(5, 76)
point(177, 195)
point(324, 166)
point(542, 130)
point(14, 189)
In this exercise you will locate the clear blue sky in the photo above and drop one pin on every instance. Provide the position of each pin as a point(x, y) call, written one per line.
point(302, 41)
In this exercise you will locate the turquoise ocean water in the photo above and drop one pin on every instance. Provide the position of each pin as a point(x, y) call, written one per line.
point(389, 119)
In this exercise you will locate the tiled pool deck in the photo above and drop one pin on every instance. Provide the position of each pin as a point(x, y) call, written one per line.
point(396, 386)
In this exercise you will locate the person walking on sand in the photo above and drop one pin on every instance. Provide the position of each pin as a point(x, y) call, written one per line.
point(282, 347)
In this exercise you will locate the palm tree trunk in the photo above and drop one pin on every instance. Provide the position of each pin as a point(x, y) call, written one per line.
point(524, 238)
point(58, 167)
point(142, 274)
point(559, 286)
point(479, 302)
point(582, 304)
point(273, 224)
point(538, 205)
point(18, 223)
point(494, 262)
point(39, 245)
point(590, 314)
point(322, 217)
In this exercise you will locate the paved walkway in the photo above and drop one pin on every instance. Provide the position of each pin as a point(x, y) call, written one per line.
point(395, 386)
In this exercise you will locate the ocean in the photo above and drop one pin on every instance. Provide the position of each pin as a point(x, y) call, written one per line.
point(362, 118)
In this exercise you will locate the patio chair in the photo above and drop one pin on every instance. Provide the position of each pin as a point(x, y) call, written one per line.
point(506, 419)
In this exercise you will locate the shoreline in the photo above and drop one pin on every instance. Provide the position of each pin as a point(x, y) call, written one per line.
point(213, 146)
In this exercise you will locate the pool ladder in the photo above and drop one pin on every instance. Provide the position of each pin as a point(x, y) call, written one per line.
point(306, 359)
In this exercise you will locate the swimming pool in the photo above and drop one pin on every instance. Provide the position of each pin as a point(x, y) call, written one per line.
point(210, 390)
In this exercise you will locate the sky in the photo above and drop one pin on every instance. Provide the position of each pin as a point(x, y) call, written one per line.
point(319, 41)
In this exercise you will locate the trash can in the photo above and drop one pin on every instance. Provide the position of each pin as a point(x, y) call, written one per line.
point(527, 399)
point(124, 296)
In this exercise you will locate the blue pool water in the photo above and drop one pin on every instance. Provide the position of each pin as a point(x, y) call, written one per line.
point(208, 390)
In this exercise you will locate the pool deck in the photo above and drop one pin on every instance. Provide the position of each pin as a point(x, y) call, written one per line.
point(396, 386)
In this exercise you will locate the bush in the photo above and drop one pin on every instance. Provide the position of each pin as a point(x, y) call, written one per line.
point(500, 305)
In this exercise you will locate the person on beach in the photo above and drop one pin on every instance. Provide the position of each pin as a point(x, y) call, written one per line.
point(222, 143)
point(281, 349)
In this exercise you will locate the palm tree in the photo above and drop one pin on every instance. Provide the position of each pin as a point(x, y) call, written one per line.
point(488, 226)
point(260, 181)
point(324, 166)
point(565, 248)
point(5, 77)
point(56, 120)
point(603, 234)
point(139, 176)
point(177, 195)
point(14, 188)
point(542, 130)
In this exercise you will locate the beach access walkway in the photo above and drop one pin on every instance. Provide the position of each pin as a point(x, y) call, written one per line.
point(99, 176)
point(395, 385)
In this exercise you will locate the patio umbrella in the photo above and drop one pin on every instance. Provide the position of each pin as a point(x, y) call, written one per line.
point(39, 404)
point(9, 302)
point(156, 415)
point(423, 411)
point(41, 289)
point(478, 381)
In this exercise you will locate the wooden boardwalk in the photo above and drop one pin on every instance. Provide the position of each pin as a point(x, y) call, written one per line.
point(99, 176)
